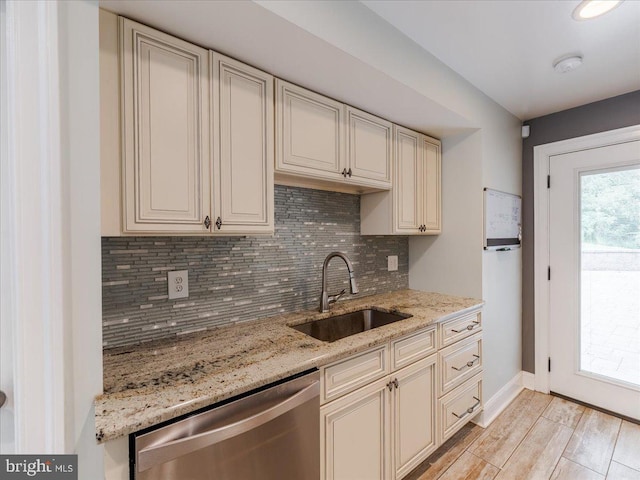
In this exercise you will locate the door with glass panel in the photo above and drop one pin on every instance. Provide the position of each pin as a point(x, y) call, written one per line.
point(594, 290)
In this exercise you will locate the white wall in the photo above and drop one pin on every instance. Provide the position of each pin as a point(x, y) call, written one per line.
point(7, 417)
point(52, 247)
point(452, 261)
point(80, 147)
point(502, 271)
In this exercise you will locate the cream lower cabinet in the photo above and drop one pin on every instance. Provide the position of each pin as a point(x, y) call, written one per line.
point(384, 429)
point(196, 137)
point(384, 411)
point(354, 435)
point(413, 207)
point(413, 415)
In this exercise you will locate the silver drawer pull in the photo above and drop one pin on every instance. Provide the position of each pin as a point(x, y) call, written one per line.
point(469, 410)
point(468, 327)
point(468, 364)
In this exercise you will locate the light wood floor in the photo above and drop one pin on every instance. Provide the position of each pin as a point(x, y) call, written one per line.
point(539, 437)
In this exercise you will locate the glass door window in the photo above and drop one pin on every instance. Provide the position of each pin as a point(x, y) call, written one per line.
point(610, 274)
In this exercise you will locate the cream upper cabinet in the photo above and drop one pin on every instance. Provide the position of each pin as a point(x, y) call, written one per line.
point(310, 131)
point(369, 149)
point(408, 189)
point(196, 147)
point(243, 135)
point(322, 143)
point(432, 178)
point(165, 131)
point(413, 207)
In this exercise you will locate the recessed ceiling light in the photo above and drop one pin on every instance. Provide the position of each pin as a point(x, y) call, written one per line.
point(567, 63)
point(588, 9)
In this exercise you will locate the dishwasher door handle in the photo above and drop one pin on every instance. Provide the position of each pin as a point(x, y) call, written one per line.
point(157, 454)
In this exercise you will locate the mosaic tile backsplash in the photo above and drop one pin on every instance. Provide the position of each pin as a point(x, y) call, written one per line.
point(237, 279)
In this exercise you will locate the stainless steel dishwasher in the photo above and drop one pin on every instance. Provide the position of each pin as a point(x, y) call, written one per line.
point(272, 434)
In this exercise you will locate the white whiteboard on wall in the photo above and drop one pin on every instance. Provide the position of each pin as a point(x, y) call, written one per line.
point(502, 220)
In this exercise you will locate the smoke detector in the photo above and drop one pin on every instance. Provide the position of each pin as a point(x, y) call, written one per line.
point(567, 63)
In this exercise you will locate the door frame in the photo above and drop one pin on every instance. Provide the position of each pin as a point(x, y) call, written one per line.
point(541, 158)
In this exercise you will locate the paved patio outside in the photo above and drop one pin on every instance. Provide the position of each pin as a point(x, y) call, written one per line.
point(611, 316)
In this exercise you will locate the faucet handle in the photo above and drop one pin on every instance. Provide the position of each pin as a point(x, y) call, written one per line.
point(334, 298)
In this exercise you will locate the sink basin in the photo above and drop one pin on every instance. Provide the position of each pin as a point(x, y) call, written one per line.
point(341, 326)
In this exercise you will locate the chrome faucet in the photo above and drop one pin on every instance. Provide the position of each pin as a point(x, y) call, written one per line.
point(325, 298)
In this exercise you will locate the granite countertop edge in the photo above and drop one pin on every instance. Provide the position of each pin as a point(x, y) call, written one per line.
point(152, 383)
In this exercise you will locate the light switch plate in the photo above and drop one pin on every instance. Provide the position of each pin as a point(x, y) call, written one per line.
point(392, 263)
point(178, 283)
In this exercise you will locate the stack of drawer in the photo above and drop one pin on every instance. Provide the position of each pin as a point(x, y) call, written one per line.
point(460, 372)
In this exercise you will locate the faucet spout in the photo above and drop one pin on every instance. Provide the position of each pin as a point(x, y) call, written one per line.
point(325, 298)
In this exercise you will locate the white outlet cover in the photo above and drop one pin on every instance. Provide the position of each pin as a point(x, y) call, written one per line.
point(178, 284)
point(392, 263)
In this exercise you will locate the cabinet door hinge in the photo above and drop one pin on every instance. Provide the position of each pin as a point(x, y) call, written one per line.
point(549, 366)
point(549, 273)
point(548, 181)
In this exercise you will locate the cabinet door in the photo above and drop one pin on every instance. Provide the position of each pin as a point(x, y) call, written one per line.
point(408, 184)
point(432, 179)
point(310, 133)
point(369, 149)
point(243, 164)
point(414, 424)
point(352, 433)
point(165, 108)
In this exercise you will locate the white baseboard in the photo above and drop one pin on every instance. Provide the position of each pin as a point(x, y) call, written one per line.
point(496, 404)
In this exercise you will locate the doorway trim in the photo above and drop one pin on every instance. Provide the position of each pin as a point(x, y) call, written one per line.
point(541, 157)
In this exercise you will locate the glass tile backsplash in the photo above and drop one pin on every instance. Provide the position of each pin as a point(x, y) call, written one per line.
point(237, 279)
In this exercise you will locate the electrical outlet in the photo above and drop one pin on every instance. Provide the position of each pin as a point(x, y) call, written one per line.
point(392, 263)
point(178, 283)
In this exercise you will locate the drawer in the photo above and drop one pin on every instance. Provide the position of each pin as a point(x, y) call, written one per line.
point(459, 406)
point(459, 362)
point(451, 331)
point(356, 371)
point(413, 347)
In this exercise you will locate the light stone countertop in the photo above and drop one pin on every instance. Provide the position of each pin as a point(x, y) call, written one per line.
point(157, 381)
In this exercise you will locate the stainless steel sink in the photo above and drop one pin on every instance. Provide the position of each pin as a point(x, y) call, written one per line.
point(341, 326)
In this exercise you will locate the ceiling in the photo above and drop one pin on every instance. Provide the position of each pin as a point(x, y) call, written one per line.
point(507, 48)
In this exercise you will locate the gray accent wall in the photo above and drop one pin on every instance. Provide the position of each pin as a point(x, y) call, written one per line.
point(237, 279)
point(609, 114)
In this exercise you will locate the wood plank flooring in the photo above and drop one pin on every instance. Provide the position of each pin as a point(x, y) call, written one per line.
point(539, 437)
